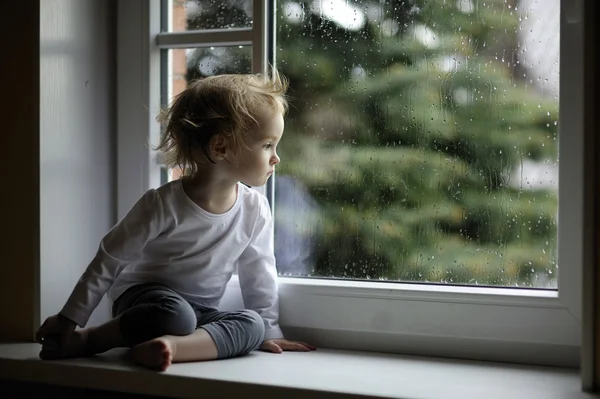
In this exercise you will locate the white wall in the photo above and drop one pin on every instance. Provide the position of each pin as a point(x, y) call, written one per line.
point(77, 140)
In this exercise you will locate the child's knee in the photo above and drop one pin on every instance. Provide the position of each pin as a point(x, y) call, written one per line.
point(254, 327)
point(166, 317)
point(175, 318)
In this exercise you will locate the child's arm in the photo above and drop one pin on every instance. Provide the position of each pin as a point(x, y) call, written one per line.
point(122, 245)
point(258, 274)
point(258, 281)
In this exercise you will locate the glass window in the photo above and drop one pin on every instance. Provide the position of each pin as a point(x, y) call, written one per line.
point(421, 144)
point(207, 14)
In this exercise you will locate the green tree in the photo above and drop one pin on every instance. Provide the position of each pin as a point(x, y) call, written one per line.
point(406, 125)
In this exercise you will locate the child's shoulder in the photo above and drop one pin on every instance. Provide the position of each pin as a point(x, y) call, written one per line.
point(171, 188)
point(253, 199)
point(165, 194)
point(251, 195)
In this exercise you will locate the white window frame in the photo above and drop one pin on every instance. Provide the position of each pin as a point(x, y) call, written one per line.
point(502, 324)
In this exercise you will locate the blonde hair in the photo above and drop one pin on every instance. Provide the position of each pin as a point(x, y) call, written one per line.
point(222, 104)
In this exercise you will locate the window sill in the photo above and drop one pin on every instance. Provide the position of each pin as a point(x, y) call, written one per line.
point(320, 374)
point(474, 323)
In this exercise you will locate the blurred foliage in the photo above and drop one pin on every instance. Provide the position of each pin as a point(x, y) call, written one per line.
point(406, 128)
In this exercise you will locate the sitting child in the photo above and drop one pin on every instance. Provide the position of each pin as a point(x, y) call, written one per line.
point(166, 264)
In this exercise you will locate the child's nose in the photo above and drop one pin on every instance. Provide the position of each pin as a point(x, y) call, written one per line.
point(275, 160)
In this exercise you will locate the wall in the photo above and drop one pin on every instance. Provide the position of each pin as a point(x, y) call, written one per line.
point(19, 168)
point(58, 78)
point(590, 353)
point(77, 141)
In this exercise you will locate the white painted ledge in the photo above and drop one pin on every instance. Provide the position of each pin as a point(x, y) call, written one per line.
point(320, 374)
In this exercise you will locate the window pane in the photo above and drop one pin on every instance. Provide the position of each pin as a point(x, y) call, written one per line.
point(206, 14)
point(421, 144)
point(185, 65)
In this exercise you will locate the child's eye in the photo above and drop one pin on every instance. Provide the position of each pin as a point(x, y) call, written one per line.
point(268, 146)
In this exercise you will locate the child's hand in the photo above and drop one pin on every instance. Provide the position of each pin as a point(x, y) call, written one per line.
point(280, 345)
point(56, 330)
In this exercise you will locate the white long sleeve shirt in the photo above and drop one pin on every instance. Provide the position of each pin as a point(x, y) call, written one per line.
point(167, 238)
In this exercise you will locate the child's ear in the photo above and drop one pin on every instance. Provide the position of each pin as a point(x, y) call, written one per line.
point(218, 147)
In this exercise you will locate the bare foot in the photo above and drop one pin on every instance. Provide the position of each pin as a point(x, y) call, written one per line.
point(156, 354)
point(77, 346)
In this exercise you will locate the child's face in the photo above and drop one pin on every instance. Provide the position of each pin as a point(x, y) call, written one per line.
point(257, 162)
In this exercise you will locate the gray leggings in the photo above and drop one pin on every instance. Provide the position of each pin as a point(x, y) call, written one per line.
point(152, 310)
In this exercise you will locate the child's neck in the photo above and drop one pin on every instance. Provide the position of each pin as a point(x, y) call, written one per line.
point(213, 195)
